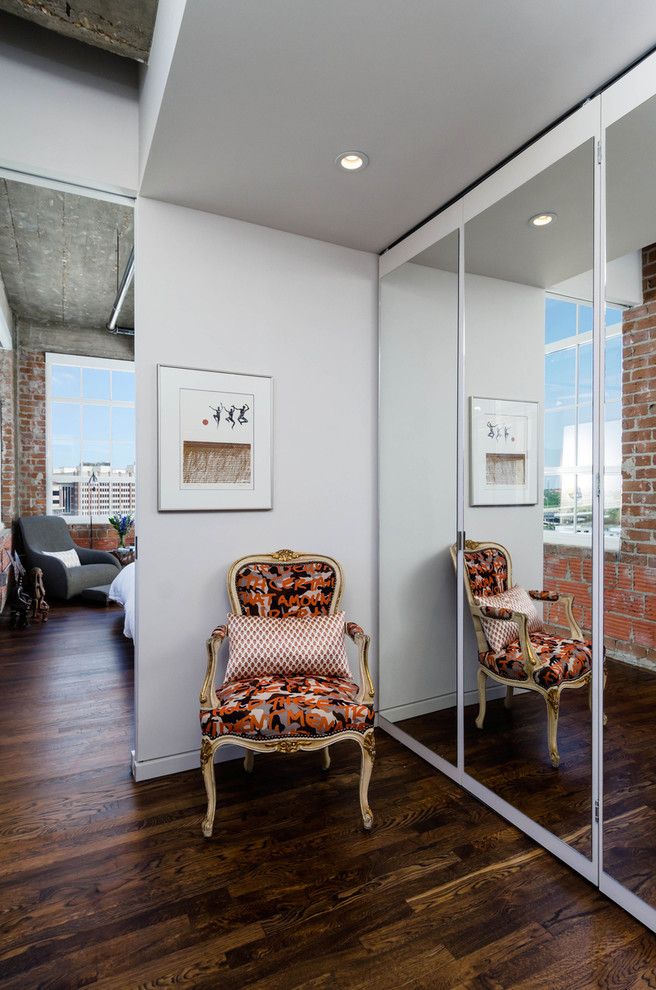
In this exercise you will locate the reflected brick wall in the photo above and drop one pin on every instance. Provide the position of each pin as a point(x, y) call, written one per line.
point(630, 572)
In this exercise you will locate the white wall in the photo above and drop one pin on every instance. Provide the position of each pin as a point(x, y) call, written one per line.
point(220, 294)
point(69, 111)
point(6, 319)
point(504, 344)
point(418, 395)
point(504, 359)
point(154, 75)
point(623, 282)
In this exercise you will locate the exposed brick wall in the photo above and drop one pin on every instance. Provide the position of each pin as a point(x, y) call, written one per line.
point(639, 423)
point(568, 570)
point(31, 433)
point(7, 399)
point(104, 537)
point(629, 574)
point(8, 469)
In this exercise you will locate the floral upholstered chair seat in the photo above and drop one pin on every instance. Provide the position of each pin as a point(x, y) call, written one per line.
point(560, 660)
point(294, 707)
point(288, 684)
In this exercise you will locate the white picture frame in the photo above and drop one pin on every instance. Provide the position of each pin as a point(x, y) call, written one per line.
point(503, 447)
point(214, 440)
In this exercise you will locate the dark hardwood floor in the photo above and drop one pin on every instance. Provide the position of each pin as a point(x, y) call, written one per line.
point(108, 884)
point(510, 757)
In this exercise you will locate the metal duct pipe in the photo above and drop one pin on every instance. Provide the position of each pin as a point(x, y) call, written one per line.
point(125, 283)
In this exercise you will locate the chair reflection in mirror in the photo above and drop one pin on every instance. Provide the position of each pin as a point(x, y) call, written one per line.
point(513, 647)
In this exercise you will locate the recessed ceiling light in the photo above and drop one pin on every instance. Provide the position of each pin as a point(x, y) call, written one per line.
point(352, 161)
point(542, 219)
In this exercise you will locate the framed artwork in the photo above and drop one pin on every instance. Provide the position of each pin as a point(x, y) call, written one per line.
point(214, 440)
point(504, 452)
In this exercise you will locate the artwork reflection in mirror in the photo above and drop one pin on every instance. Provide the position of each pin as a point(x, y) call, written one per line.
point(418, 413)
point(629, 756)
point(528, 299)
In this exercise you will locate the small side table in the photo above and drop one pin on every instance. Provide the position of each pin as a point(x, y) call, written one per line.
point(125, 555)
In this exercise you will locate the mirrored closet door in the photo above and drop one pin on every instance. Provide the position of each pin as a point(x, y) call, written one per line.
point(528, 497)
point(418, 466)
point(629, 747)
point(518, 420)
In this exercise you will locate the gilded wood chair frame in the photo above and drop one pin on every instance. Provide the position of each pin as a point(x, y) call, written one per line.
point(286, 744)
point(530, 660)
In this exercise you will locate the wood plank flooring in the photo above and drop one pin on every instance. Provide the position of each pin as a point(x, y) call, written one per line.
point(108, 884)
point(510, 757)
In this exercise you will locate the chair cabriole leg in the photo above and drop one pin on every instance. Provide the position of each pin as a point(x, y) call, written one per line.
point(482, 701)
point(604, 716)
point(368, 746)
point(508, 700)
point(207, 766)
point(553, 707)
point(325, 758)
point(249, 760)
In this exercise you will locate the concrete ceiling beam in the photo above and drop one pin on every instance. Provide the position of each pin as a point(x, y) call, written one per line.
point(124, 27)
point(62, 255)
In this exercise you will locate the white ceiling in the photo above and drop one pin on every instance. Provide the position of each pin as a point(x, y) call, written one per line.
point(261, 97)
point(500, 243)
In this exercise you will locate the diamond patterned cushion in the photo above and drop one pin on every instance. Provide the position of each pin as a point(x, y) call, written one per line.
point(261, 646)
point(500, 632)
point(269, 707)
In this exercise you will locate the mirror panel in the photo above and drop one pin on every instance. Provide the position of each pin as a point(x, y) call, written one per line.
point(629, 755)
point(418, 416)
point(529, 388)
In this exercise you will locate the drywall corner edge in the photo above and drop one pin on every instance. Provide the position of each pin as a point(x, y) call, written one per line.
point(154, 76)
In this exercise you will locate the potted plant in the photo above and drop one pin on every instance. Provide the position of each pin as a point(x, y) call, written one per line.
point(122, 524)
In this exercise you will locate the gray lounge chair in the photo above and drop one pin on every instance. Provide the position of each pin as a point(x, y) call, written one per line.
point(40, 533)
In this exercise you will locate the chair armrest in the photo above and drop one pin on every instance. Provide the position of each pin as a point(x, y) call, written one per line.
point(208, 698)
point(366, 694)
point(568, 601)
point(544, 596)
point(529, 657)
point(88, 556)
point(55, 573)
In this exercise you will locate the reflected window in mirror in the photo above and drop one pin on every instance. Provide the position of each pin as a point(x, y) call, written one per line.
point(567, 494)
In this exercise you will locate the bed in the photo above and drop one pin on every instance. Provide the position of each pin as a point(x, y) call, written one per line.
point(122, 591)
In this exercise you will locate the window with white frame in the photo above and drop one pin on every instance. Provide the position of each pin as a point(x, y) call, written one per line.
point(568, 421)
point(90, 448)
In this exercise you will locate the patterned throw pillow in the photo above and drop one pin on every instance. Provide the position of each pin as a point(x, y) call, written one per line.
point(69, 558)
point(500, 632)
point(261, 646)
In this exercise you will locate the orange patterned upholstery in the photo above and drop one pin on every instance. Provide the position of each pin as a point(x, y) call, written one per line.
point(277, 706)
point(277, 590)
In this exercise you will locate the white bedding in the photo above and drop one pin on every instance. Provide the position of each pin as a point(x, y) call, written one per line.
point(122, 591)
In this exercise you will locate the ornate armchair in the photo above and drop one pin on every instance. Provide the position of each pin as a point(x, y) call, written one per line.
point(267, 714)
point(532, 660)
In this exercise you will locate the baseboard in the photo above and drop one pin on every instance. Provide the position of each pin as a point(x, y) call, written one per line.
point(643, 663)
point(163, 766)
point(438, 704)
